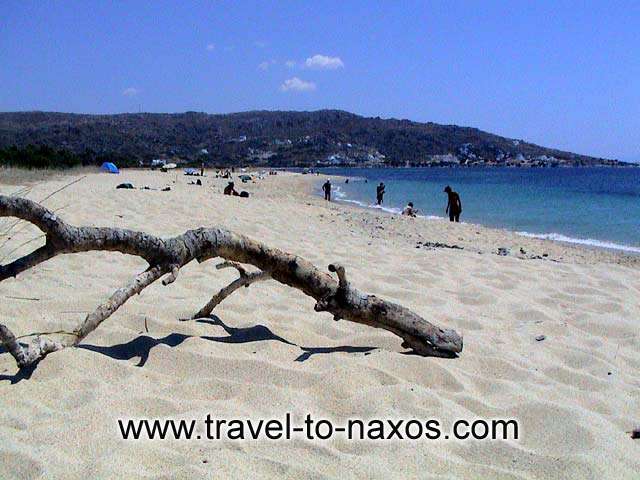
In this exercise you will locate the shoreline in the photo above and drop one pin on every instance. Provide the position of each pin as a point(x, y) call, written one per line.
point(586, 243)
point(576, 248)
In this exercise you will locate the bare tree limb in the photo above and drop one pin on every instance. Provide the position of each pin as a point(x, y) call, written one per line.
point(172, 277)
point(119, 297)
point(227, 264)
point(40, 347)
point(27, 355)
point(342, 276)
point(244, 280)
point(171, 254)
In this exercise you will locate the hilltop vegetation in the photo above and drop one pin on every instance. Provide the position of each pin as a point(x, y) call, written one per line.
point(272, 138)
point(39, 157)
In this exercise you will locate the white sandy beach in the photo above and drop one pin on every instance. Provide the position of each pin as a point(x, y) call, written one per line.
point(267, 352)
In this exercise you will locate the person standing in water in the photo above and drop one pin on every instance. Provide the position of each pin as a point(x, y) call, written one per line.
point(326, 188)
point(380, 193)
point(454, 205)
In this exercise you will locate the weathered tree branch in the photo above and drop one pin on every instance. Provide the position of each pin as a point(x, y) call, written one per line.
point(171, 254)
point(119, 297)
point(172, 277)
point(40, 347)
point(30, 354)
point(244, 280)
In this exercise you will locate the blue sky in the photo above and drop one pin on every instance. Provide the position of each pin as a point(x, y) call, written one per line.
point(561, 74)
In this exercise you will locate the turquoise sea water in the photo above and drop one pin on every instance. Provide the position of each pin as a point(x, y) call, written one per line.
point(592, 206)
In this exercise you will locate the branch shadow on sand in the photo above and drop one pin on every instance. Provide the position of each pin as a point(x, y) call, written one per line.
point(259, 333)
point(140, 347)
point(22, 374)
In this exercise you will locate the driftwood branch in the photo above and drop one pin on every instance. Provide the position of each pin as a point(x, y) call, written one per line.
point(244, 280)
point(119, 297)
point(172, 277)
point(26, 355)
point(171, 254)
point(40, 347)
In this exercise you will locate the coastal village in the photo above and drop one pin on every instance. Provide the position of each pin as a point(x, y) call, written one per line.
point(291, 152)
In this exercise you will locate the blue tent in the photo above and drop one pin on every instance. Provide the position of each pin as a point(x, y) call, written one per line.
point(109, 167)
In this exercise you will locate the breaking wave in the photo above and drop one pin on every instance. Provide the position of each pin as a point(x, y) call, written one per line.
point(558, 237)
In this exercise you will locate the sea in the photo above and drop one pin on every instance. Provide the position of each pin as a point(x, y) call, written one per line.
point(597, 206)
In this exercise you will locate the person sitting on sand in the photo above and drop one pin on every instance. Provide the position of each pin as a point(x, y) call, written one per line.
point(230, 190)
point(409, 211)
point(326, 188)
point(380, 193)
point(454, 205)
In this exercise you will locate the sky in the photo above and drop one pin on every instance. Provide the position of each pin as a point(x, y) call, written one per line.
point(557, 73)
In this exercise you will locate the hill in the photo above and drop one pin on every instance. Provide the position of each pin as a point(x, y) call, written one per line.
point(276, 138)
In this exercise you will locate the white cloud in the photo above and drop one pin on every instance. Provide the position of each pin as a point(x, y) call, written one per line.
point(323, 62)
point(211, 46)
point(297, 85)
point(266, 64)
point(130, 92)
point(290, 64)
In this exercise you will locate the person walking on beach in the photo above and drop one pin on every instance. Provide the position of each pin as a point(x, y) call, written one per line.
point(326, 188)
point(454, 205)
point(380, 193)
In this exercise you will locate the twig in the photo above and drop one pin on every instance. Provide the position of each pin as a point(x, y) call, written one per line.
point(62, 188)
point(39, 334)
point(244, 280)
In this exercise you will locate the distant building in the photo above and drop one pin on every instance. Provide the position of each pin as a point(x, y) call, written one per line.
point(445, 159)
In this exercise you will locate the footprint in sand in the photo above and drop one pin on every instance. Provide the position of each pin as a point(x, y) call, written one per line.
point(476, 299)
point(605, 307)
point(17, 465)
point(531, 315)
point(575, 290)
point(551, 430)
point(570, 377)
